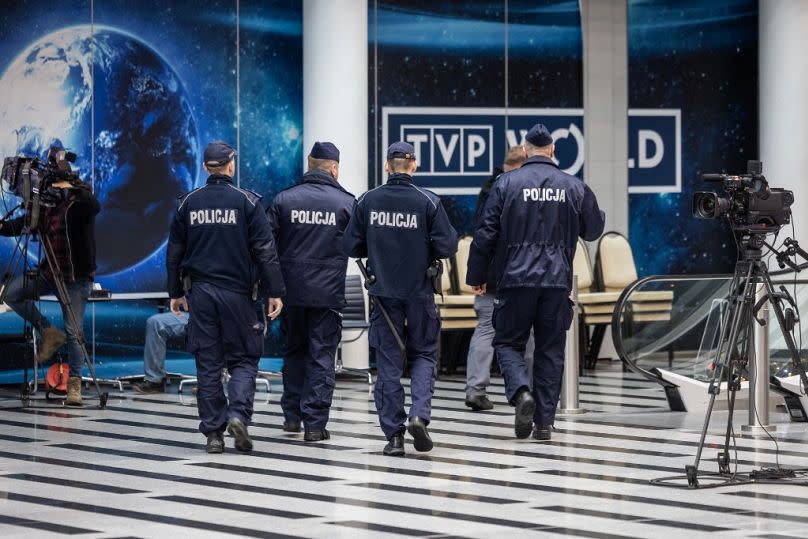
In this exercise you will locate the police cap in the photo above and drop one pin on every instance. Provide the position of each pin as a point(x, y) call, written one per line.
point(218, 153)
point(539, 136)
point(401, 150)
point(324, 150)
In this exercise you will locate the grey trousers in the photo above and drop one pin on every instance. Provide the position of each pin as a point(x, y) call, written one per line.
point(481, 351)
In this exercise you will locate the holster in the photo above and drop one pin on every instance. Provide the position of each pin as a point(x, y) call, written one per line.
point(435, 274)
point(186, 282)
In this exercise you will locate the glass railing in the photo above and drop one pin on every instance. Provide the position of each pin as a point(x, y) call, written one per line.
point(673, 322)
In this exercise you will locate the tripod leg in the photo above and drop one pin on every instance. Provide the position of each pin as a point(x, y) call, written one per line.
point(741, 293)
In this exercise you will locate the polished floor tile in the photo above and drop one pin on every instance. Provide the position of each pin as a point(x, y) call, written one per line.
point(138, 469)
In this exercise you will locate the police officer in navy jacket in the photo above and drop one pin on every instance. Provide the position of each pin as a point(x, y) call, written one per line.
point(537, 212)
point(219, 244)
point(308, 221)
point(402, 228)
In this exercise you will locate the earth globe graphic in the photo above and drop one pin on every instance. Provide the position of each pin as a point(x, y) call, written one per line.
point(113, 100)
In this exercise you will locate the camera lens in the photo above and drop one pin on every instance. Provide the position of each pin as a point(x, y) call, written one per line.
point(704, 205)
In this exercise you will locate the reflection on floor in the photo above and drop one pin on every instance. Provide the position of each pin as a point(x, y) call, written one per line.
point(138, 469)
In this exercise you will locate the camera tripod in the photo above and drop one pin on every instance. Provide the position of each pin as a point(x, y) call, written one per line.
point(20, 258)
point(733, 347)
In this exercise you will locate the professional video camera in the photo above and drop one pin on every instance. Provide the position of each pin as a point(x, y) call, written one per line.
point(751, 205)
point(31, 178)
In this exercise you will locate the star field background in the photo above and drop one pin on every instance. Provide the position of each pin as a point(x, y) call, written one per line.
point(198, 41)
point(700, 57)
point(200, 46)
point(442, 54)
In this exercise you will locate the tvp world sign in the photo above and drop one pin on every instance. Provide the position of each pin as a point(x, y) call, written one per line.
point(458, 148)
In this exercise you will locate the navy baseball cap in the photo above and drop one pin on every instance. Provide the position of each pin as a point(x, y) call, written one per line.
point(324, 150)
point(219, 153)
point(401, 150)
point(539, 136)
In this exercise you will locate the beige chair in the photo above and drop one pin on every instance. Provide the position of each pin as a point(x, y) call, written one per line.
point(614, 271)
point(457, 304)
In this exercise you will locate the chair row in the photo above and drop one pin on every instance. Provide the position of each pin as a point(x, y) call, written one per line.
point(598, 291)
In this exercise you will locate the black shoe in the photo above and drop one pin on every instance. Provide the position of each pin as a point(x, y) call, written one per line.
point(316, 435)
point(542, 432)
point(524, 406)
point(478, 403)
point(239, 432)
point(420, 436)
point(291, 426)
point(215, 443)
point(148, 387)
point(395, 446)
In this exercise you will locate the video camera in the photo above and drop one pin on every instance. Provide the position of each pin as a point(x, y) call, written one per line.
point(751, 205)
point(31, 178)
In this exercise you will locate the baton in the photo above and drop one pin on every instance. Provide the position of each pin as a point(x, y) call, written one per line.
point(369, 280)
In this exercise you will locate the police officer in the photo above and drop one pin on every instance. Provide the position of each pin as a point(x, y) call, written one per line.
point(220, 239)
point(308, 221)
point(402, 228)
point(538, 212)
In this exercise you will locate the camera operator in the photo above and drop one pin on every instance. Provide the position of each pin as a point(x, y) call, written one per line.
point(69, 226)
point(539, 212)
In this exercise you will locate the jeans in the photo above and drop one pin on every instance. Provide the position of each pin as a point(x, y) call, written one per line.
point(481, 349)
point(160, 328)
point(20, 298)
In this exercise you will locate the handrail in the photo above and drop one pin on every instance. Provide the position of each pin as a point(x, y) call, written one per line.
point(618, 310)
point(623, 299)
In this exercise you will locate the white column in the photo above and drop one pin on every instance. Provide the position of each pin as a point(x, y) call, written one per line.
point(605, 48)
point(783, 75)
point(335, 101)
point(605, 45)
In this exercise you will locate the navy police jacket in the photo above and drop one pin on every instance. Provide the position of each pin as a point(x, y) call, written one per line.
point(308, 221)
point(220, 234)
point(401, 228)
point(536, 214)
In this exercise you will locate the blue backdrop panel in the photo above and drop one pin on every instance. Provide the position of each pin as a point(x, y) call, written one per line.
point(701, 58)
point(137, 97)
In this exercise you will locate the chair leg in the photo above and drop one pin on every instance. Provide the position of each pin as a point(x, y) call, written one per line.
point(594, 346)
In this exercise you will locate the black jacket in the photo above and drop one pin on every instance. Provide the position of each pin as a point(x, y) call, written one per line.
point(82, 207)
point(220, 234)
point(401, 228)
point(308, 221)
point(537, 212)
point(482, 198)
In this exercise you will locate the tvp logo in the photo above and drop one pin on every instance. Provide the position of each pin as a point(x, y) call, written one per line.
point(458, 148)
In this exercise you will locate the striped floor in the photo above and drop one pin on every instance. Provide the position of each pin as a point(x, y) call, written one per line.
point(138, 469)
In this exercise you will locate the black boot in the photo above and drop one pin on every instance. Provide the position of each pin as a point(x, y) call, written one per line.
point(542, 432)
point(291, 426)
point(420, 436)
point(316, 435)
point(215, 443)
point(238, 430)
point(395, 446)
point(525, 407)
point(480, 402)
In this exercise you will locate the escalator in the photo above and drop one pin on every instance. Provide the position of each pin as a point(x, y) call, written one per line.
point(674, 341)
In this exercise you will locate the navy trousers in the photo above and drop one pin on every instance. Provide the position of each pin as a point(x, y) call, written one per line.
point(312, 337)
point(548, 311)
point(223, 333)
point(421, 337)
